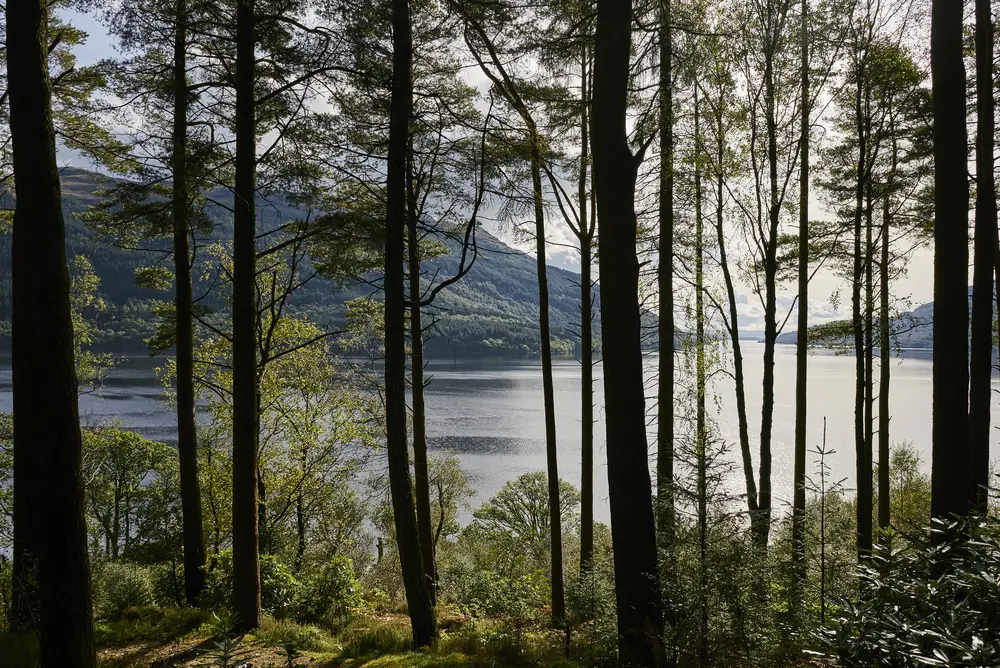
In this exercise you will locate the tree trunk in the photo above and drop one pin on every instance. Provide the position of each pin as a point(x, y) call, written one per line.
point(637, 590)
point(551, 450)
point(802, 341)
point(863, 460)
point(421, 479)
point(46, 418)
point(770, 305)
point(734, 326)
point(586, 335)
point(950, 428)
point(701, 427)
point(665, 276)
point(865, 500)
point(985, 243)
point(885, 359)
point(187, 444)
point(418, 596)
point(246, 557)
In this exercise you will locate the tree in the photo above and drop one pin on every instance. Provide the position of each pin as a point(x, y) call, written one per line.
point(637, 591)
point(802, 342)
point(246, 557)
point(950, 395)
point(492, 66)
point(985, 246)
point(47, 443)
point(418, 596)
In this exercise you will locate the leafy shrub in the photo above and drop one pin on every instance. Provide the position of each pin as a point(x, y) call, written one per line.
point(278, 585)
point(329, 593)
point(168, 583)
point(488, 594)
point(934, 602)
point(123, 586)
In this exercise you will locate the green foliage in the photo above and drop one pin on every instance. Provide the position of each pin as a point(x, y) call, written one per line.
point(225, 650)
point(934, 601)
point(18, 650)
point(121, 586)
point(328, 592)
point(516, 599)
point(521, 510)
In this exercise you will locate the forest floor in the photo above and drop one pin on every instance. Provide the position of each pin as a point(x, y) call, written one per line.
point(182, 639)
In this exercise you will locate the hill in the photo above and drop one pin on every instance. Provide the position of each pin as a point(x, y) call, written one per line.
point(493, 310)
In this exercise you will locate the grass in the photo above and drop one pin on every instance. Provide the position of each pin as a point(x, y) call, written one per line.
point(278, 633)
point(148, 624)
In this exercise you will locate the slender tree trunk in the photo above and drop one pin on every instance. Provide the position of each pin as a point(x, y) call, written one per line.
point(246, 557)
point(770, 299)
point(733, 325)
point(420, 476)
point(551, 451)
point(418, 596)
point(985, 243)
point(885, 359)
point(701, 427)
point(637, 590)
point(802, 341)
point(863, 463)
point(46, 418)
point(300, 531)
point(665, 276)
point(586, 333)
point(865, 491)
point(187, 444)
point(950, 428)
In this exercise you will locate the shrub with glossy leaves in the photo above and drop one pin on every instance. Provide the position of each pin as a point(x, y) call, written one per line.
point(934, 602)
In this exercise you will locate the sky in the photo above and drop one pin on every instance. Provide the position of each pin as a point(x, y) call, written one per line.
point(917, 286)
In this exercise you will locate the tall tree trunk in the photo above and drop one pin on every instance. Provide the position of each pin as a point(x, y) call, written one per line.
point(885, 359)
point(418, 597)
point(46, 418)
point(637, 590)
point(246, 557)
point(586, 332)
point(950, 428)
point(733, 325)
point(701, 426)
point(665, 289)
point(420, 476)
point(551, 451)
point(770, 295)
point(985, 243)
point(802, 341)
point(865, 492)
point(187, 444)
point(863, 461)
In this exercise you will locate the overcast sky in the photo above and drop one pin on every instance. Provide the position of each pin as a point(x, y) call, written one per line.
point(917, 285)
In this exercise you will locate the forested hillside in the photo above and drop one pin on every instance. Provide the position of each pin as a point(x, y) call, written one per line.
point(493, 310)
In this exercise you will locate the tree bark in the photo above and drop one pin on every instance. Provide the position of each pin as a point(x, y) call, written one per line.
point(551, 449)
point(246, 557)
point(985, 243)
point(701, 426)
point(863, 458)
point(637, 590)
point(802, 340)
point(187, 444)
point(665, 276)
point(421, 478)
point(950, 425)
point(586, 333)
point(885, 359)
point(418, 598)
point(865, 490)
point(47, 441)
